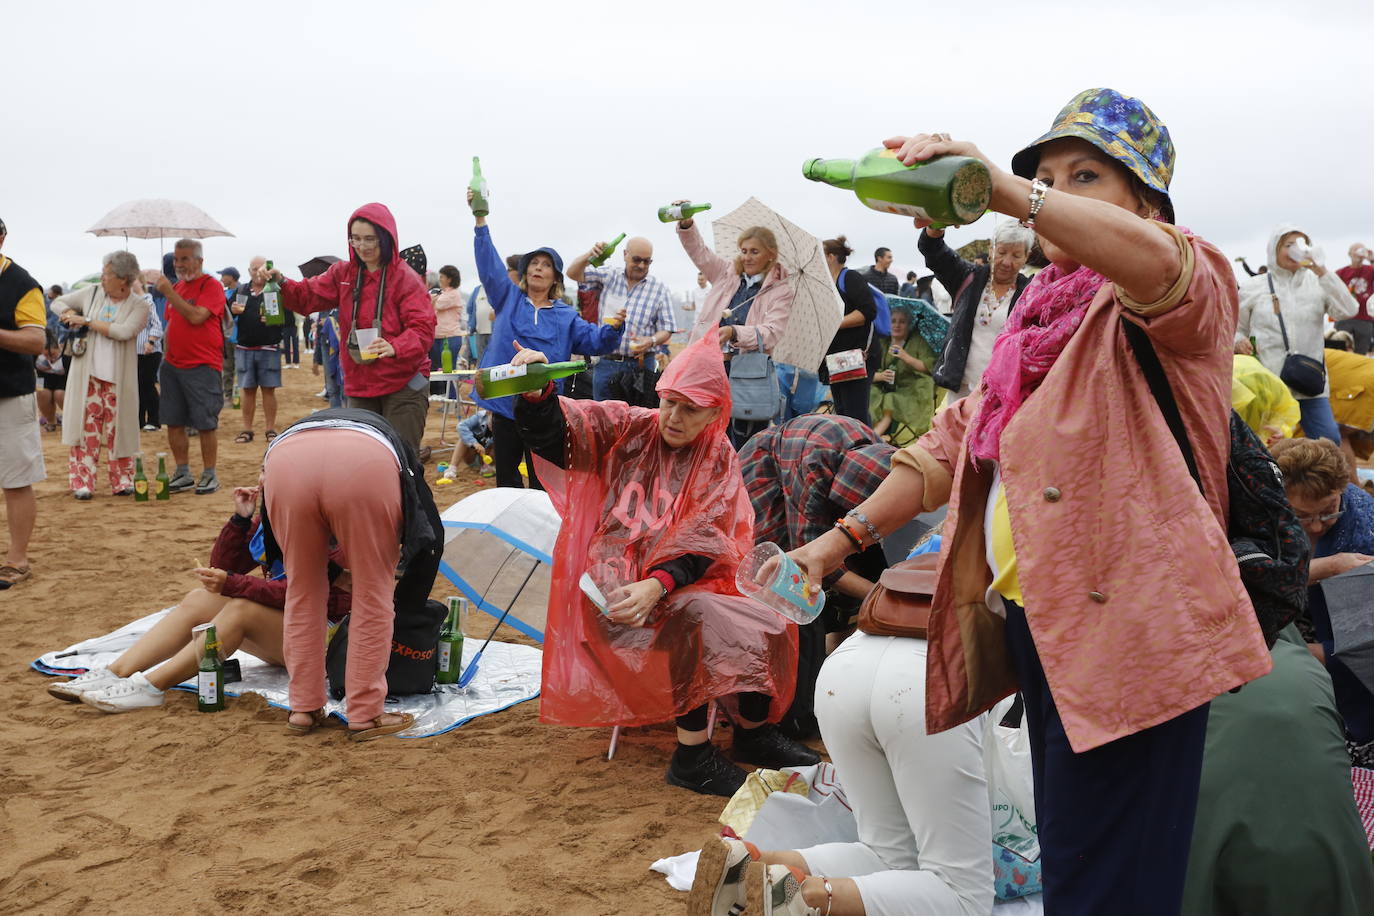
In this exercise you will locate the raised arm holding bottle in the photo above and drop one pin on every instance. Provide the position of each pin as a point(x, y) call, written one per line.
point(533, 313)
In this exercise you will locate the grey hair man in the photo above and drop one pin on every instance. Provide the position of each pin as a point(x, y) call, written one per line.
point(23, 323)
point(193, 358)
point(648, 305)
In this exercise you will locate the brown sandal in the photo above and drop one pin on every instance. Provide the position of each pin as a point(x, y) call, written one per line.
point(13, 575)
point(244, 437)
point(378, 730)
point(317, 718)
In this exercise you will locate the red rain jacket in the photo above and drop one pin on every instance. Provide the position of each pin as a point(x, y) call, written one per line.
point(407, 313)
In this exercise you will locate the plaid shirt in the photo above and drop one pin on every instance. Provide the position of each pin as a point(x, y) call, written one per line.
point(805, 474)
point(648, 307)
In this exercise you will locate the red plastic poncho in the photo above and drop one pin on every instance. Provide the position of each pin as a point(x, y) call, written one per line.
point(630, 502)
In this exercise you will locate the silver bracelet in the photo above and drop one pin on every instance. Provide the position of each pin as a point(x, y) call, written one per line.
point(829, 896)
point(863, 520)
point(1037, 200)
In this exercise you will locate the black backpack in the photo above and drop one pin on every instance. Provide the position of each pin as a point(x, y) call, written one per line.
point(1271, 548)
point(414, 650)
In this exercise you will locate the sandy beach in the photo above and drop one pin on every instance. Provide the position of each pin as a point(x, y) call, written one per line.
point(168, 810)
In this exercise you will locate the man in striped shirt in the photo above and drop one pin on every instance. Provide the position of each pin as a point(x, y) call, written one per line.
point(648, 305)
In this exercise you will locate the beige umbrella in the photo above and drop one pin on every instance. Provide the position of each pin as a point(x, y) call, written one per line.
point(816, 305)
point(157, 218)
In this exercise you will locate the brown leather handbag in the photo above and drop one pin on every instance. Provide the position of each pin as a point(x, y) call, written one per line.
point(899, 604)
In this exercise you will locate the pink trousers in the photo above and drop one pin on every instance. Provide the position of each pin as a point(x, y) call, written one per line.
point(340, 482)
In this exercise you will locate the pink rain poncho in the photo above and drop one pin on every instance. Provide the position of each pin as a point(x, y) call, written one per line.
point(630, 502)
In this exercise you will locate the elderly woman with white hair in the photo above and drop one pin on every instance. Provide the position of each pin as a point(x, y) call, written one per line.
point(983, 295)
point(103, 379)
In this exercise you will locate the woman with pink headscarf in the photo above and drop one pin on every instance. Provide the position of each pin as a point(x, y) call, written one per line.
point(645, 623)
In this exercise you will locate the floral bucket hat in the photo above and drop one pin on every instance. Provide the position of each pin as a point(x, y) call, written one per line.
point(1120, 126)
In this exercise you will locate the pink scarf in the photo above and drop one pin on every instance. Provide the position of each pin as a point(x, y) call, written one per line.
point(1046, 316)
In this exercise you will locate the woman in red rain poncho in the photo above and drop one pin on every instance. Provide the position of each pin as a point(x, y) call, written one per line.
point(655, 517)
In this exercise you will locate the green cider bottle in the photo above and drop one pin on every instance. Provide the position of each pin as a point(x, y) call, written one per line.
point(676, 212)
point(598, 260)
point(478, 185)
point(950, 190)
point(446, 357)
point(210, 674)
point(451, 642)
point(271, 302)
point(161, 488)
point(500, 381)
point(140, 481)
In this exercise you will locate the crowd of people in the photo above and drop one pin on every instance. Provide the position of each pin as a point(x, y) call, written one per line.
point(1084, 561)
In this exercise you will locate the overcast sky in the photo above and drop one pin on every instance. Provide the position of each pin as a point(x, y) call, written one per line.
point(280, 118)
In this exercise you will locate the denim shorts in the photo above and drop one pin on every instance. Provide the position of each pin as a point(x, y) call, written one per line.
point(258, 368)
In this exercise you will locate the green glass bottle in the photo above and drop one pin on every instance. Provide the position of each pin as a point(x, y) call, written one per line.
point(451, 642)
point(238, 398)
point(606, 252)
point(446, 357)
point(951, 190)
point(675, 212)
point(499, 381)
point(210, 674)
point(140, 481)
point(480, 193)
point(271, 303)
point(161, 490)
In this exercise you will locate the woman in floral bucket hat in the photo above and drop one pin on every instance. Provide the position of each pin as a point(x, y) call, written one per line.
point(1081, 563)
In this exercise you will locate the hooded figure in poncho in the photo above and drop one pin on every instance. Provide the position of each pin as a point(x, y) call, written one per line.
point(645, 623)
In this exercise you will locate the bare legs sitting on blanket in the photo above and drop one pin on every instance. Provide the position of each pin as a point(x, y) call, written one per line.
point(123, 687)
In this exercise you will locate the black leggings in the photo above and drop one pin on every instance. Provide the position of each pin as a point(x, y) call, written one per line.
point(510, 450)
point(148, 399)
point(851, 399)
point(752, 706)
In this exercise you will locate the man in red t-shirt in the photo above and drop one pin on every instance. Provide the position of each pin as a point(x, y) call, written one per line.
point(193, 354)
point(1358, 277)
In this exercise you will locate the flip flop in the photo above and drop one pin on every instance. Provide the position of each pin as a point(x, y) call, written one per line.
point(244, 437)
point(13, 575)
point(317, 718)
point(270, 435)
point(380, 731)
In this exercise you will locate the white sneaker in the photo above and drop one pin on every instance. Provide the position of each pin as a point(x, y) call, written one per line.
point(719, 887)
point(93, 680)
point(125, 696)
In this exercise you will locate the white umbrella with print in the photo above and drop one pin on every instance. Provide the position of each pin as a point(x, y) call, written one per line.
point(816, 305)
point(158, 218)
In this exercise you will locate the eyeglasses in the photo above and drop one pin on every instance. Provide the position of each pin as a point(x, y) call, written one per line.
point(636, 259)
point(366, 242)
point(1320, 519)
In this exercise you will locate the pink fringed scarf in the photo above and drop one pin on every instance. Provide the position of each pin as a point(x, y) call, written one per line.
point(1047, 315)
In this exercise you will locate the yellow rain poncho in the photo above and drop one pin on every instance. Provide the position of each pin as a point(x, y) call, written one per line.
point(1262, 399)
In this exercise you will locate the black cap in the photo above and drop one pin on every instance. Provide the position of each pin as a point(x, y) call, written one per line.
point(2, 227)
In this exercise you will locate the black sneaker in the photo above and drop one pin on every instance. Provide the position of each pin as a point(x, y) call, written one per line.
point(800, 728)
point(713, 774)
point(767, 746)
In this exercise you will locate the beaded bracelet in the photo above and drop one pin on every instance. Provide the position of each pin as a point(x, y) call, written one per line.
point(853, 538)
point(1037, 200)
point(872, 531)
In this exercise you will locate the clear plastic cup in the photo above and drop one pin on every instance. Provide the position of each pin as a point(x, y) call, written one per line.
point(1299, 251)
point(769, 576)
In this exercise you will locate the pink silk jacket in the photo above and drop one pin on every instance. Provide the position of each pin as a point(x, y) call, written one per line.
point(1131, 588)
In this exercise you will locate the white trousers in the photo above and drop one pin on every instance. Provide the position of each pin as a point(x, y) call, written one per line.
point(921, 801)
